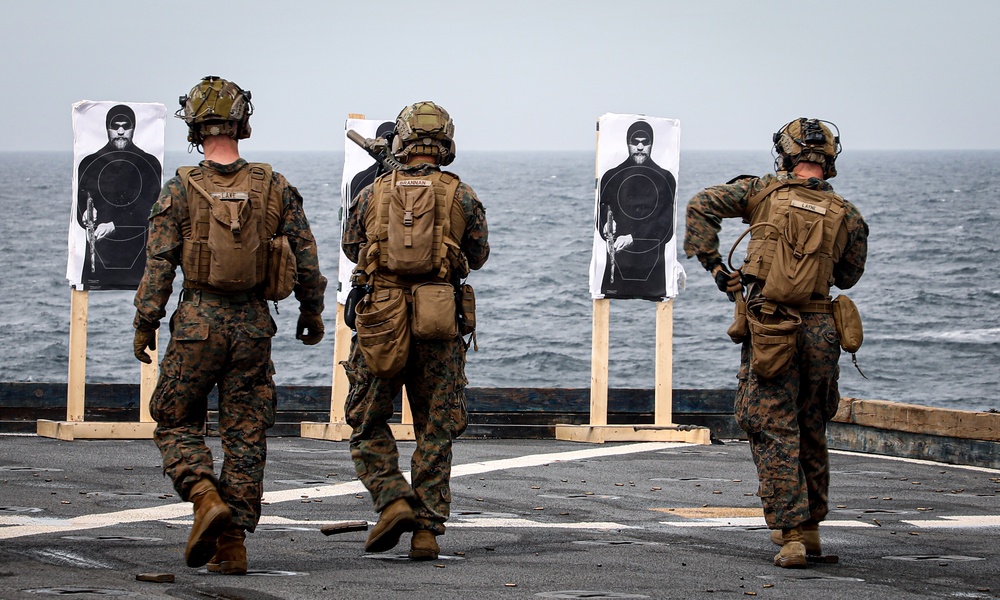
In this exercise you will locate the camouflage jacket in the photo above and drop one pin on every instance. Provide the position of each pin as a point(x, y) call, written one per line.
point(163, 250)
point(706, 210)
point(475, 243)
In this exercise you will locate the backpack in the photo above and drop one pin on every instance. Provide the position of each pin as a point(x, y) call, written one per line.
point(410, 224)
point(793, 244)
point(227, 236)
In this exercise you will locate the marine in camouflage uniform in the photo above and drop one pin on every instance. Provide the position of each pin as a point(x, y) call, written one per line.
point(435, 382)
point(785, 416)
point(224, 340)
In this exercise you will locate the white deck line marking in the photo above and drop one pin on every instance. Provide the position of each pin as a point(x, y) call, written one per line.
point(467, 522)
point(750, 522)
point(918, 461)
point(22, 526)
point(957, 522)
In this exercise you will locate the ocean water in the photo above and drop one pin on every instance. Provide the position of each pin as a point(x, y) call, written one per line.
point(928, 299)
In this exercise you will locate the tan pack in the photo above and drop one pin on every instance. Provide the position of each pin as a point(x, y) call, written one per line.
point(848, 322)
point(411, 226)
point(795, 240)
point(228, 231)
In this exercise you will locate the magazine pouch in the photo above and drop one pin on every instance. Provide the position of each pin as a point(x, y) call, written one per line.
point(383, 325)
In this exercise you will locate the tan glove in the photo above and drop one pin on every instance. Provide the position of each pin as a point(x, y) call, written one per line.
point(311, 323)
point(144, 339)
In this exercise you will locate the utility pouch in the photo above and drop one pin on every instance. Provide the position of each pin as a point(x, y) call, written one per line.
point(738, 330)
point(434, 316)
point(383, 326)
point(281, 269)
point(847, 319)
point(796, 263)
point(773, 337)
point(233, 242)
point(467, 304)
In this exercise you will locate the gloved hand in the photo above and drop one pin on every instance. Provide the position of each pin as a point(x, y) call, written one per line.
point(727, 282)
point(314, 325)
point(144, 338)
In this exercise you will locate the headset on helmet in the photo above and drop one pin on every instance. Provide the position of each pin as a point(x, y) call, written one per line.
point(810, 140)
point(216, 107)
point(424, 128)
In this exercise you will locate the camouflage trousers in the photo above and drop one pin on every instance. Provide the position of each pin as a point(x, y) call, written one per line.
point(228, 346)
point(434, 377)
point(785, 419)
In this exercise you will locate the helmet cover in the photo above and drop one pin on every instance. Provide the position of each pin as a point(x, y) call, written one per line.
point(808, 140)
point(424, 128)
point(216, 106)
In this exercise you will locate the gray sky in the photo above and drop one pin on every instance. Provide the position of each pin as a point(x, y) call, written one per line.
point(519, 74)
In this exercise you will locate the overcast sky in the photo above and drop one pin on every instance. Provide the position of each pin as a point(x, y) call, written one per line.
point(519, 74)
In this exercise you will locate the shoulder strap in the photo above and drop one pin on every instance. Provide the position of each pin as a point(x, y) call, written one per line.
point(754, 202)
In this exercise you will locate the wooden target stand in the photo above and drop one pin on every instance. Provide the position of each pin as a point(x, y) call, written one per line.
point(663, 429)
point(75, 427)
point(337, 429)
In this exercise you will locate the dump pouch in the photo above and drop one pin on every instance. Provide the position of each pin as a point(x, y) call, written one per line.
point(434, 316)
point(773, 336)
point(847, 320)
point(383, 326)
point(281, 269)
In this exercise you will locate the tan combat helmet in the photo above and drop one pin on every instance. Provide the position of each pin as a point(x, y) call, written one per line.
point(809, 140)
point(424, 128)
point(216, 107)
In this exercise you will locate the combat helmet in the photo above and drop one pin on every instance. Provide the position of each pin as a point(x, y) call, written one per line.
point(809, 140)
point(424, 128)
point(216, 107)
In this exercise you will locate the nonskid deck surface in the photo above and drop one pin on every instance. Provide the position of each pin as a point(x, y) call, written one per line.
point(530, 519)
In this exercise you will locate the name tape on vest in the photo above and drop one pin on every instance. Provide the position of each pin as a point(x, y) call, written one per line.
point(414, 183)
point(810, 207)
point(231, 196)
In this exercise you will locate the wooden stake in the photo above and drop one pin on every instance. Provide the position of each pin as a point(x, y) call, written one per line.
point(663, 390)
point(76, 387)
point(599, 363)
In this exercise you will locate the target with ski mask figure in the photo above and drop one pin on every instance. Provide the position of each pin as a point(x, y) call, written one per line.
point(118, 157)
point(635, 253)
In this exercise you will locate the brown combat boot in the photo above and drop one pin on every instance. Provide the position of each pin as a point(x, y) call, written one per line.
point(396, 518)
point(793, 551)
point(230, 556)
point(211, 515)
point(810, 538)
point(423, 546)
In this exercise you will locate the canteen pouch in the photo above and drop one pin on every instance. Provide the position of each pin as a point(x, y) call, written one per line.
point(847, 320)
point(738, 330)
point(773, 334)
point(434, 311)
point(383, 326)
point(467, 299)
point(281, 269)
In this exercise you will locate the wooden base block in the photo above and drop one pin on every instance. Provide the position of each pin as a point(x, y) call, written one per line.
point(333, 432)
point(338, 432)
point(598, 434)
point(84, 430)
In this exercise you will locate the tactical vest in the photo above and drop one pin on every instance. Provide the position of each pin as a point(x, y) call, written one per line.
point(413, 224)
point(229, 224)
point(796, 238)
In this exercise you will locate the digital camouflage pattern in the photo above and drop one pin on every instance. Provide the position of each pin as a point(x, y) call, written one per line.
point(435, 381)
point(785, 417)
point(215, 341)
